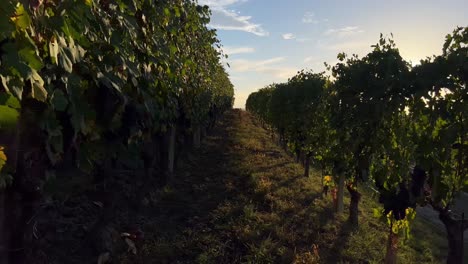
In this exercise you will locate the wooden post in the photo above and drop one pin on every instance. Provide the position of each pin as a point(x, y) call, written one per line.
point(196, 136)
point(307, 165)
point(203, 132)
point(341, 183)
point(462, 236)
point(435, 183)
point(171, 152)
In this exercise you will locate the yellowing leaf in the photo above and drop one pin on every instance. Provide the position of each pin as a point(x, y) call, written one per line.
point(3, 158)
point(21, 18)
point(54, 50)
point(38, 91)
point(89, 2)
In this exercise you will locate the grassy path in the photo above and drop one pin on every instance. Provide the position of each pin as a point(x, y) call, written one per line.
point(241, 199)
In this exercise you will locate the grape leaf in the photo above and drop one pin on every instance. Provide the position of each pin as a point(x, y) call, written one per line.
point(21, 18)
point(3, 158)
point(8, 117)
point(59, 101)
point(9, 100)
point(38, 91)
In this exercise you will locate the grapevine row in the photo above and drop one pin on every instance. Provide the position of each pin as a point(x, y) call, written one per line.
point(94, 87)
point(378, 119)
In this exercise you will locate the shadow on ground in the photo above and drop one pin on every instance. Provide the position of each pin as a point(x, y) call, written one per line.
point(241, 199)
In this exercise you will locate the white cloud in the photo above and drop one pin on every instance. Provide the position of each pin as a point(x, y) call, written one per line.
point(346, 31)
point(282, 73)
point(288, 36)
point(268, 66)
point(309, 18)
point(309, 59)
point(223, 18)
point(237, 50)
point(220, 3)
point(242, 65)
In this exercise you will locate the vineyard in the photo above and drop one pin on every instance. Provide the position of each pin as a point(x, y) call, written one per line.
point(379, 121)
point(97, 101)
point(118, 144)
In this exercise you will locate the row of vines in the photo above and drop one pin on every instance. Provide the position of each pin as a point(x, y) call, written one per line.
point(377, 119)
point(95, 94)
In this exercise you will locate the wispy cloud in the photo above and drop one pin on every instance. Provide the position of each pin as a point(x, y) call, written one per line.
point(345, 31)
point(309, 18)
point(309, 59)
point(288, 36)
point(242, 65)
point(220, 3)
point(223, 18)
point(269, 66)
point(237, 50)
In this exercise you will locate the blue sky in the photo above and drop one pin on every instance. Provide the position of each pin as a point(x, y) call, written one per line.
point(270, 40)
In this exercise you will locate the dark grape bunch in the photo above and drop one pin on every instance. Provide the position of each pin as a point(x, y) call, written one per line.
point(400, 198)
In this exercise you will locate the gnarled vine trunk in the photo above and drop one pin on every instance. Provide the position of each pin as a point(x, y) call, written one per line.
point(23, 196)
point(340, 194)
point(9, 140)
point(392, 248)
point(307, 165)
point(171, 152)
point(354, 205)
point(455, 229)
point(197, 136)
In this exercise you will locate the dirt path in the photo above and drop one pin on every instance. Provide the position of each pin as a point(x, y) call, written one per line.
point(432, 217)
point(241, 199)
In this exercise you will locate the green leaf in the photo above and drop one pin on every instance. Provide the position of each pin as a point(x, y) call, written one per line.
point(59, 101)
point(173, 49)
point(377, 212)
point(177, 11)
point(11, 58)
point(28, 55)
point(21, 18)
point(167, 12)
point(5, 22)
point(9, 100)
point(8, 117)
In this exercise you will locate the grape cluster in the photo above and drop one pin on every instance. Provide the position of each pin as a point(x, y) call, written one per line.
point(398, 199)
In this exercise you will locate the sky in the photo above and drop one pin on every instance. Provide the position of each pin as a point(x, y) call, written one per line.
point(270, 40)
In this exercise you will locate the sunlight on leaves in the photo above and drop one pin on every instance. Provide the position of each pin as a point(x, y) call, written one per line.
point(21, 18)
point(3, 158)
